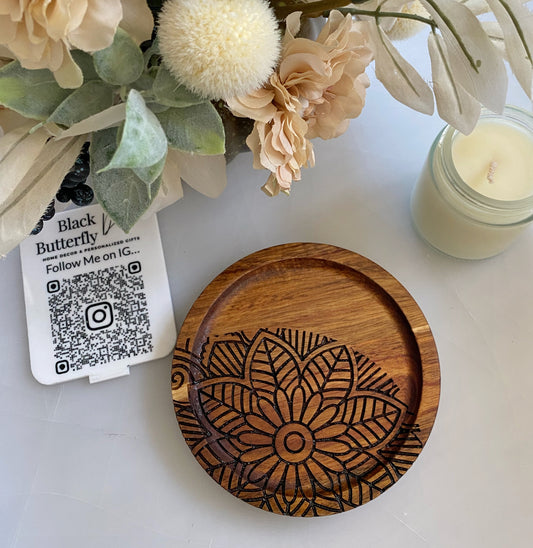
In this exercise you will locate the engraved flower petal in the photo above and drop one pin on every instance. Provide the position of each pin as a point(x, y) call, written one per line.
point(270, 412)
point(337, 447)
point(291, 487)
point(271, 363)
point(283, 405)
point(276, 476)
point(254, 439)
point(298, 401)
point(330, 370)
point(332, 464)
point(257, 454)
point(313, 405)
point(320, 473)
point(330, 431)
point(259, 423)
point(323, 417)
point(305, 478)
point(261, 470)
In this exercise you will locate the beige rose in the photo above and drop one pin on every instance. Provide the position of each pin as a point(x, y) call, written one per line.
point(278, 140)
point(328, 75)
point(281, 146)
point(318, 87)
point(41, 33)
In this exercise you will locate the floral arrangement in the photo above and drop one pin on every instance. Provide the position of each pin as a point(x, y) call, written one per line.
point(163, 90)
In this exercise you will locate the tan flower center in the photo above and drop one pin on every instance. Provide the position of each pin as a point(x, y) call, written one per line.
point(294, 442)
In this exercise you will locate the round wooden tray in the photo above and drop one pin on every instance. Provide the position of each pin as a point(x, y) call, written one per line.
point(305, 379)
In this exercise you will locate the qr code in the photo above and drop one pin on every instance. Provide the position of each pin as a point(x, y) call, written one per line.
point(99, 317)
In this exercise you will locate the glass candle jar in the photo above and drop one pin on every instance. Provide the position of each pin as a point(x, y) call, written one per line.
point(479, 218)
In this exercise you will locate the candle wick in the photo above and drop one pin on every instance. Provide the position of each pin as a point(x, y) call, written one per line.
point(492, 171)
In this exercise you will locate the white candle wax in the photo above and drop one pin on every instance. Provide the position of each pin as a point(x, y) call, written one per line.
point(475, 193)
point(496, 160)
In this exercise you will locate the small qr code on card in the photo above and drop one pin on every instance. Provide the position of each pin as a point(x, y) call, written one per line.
point(99, 317)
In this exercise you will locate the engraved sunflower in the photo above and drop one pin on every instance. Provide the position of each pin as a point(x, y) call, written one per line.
point(295, 440)
point(291, 421)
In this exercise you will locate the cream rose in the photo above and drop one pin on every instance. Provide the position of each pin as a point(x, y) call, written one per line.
point(41, 33)
point(328, 76)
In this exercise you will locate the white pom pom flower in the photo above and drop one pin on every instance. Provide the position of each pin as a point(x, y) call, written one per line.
point(219, 48)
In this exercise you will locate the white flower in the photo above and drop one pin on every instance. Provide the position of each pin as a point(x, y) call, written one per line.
point(41, 33)
point(219, 48)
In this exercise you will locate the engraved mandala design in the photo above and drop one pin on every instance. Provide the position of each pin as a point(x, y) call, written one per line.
point(293, 422)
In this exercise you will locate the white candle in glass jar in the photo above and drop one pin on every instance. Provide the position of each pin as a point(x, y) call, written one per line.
point(475, 193)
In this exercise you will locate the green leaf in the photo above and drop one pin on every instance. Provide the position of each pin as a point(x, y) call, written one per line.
point(142, 141)
point(152, 54)
point(151, 173)
point(32, 93)
point(89, 99)
point(123, 195)
point(156, 108)
point(168, 92)
point(85, 62)
point(121, 63)
point(197, 129)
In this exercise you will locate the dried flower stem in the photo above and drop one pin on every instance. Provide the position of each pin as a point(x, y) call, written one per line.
point(398, 15)
point(308, 9)
point(323, 7)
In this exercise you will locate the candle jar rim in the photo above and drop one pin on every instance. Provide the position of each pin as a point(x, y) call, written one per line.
point(513, 211)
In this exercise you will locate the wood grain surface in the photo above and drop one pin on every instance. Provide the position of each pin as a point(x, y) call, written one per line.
point(305, 379)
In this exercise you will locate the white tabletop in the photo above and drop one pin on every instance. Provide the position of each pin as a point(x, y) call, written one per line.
point(105, 465)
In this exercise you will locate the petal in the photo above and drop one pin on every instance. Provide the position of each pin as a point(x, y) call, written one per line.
point(69, 74)
point(271, 362)
point(330, 463)
point(260, 424)
point(283, 405)
point(137, 20)
point(331, 371)
point(331, 431)
point(98, 27)
point(298, 401)
point(256, 454)
point(313, 405)
point(337, 447)
point(276, 476)
point(269, 412)
point(323, 417)
point(305, 478)
point(254, 439)
point(262, 469)
point(290, 478)
point(319, 473)
point(290, 485)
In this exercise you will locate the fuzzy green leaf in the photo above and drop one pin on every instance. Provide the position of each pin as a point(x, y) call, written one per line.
point(196, 129)
point(143, 142)
point(89, 99)
point(168, 92)
point(32, 93)
point(151, 173)
point(120, 192)
point(85, 62)
point(122, 62)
